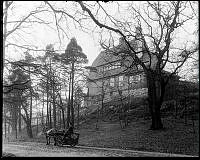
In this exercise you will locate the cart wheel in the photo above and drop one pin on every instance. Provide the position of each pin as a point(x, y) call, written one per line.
point(59, 141)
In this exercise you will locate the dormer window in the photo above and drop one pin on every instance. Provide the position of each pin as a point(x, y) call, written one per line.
point(107, 67)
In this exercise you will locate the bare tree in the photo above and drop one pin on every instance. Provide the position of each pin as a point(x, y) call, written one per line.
point(156, 22)
point(12, 29)
point(15, 30)
point(102, 84)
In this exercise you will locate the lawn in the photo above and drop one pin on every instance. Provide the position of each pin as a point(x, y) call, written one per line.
point(177, 137)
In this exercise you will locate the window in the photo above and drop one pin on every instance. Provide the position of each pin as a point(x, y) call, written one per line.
point(118, 64)
point(139, 77)
point(112, 82)
point(109, 67)
point(120, 81)
point(104, 68)
point(100, 69)
point(135, 79)
point(140, 67)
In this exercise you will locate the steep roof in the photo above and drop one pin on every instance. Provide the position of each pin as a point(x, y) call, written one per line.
point(104, 58)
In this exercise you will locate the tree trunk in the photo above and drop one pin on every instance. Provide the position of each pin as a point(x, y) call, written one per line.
point(102, 104)
point(154, 98)
point(72, 99)
point(13, 131)
point(13, 114)
point(78, 116)
point(37, 127)
point(54, 104)
point(36, 99)
point(16, 130)
point(97, 127)
point(62, 112)
point(15, 124)
point(42, 119)
point(26, 119)
point(156, 117)
point(31, 107)
point(47, 89)
point(19, 121)
point(63, 118)
point(29, 129)
point(102, 97)
point(30, 119)
point(50, 122)
point(5, 128)
point(68, 106)
point(48, 118)
point(8, 129)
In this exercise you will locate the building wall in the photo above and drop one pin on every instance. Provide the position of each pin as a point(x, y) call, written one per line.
point(133, 85)
point(111, 71)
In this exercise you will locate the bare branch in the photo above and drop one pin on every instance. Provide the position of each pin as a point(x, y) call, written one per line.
point(22, 21)
point(112, 29)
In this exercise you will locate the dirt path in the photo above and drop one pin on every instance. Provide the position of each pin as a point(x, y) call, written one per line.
point(32, 149)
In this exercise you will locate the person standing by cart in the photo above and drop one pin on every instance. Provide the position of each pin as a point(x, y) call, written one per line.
point(69, 132)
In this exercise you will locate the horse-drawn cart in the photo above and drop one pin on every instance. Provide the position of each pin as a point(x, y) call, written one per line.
point(60, 138)
point(72, 141)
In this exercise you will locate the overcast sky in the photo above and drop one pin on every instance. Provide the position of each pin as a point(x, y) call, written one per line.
point(41, 35)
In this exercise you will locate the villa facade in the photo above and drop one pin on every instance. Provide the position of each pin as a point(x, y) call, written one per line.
point(113, 78)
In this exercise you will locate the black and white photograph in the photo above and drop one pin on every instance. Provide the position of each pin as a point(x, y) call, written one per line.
point(100, 79)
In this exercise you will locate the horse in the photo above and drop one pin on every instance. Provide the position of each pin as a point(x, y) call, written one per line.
point(51, 133)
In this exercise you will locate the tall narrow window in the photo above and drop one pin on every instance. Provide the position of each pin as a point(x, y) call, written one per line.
point(107, 67)
point(110, 66)
point(104, 68)
point(112, 82)
point(100, 69)
point(120, 81)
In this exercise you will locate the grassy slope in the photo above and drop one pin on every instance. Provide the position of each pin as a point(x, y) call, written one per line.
point(175, 138)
